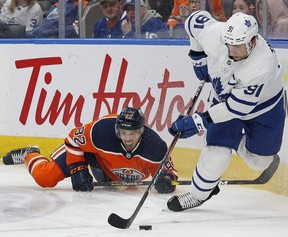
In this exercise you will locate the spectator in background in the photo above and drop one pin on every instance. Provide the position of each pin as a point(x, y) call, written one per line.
point(25, 13)
point(49, 27)
point(176, 23)
point(245, 6)
point(163, 7)
point(277, 18)
point(110, 25)
point(216, 9)
point(193, 5)
point(227, 7)
point(183, 8)
point(180, 12)
point(151, 22)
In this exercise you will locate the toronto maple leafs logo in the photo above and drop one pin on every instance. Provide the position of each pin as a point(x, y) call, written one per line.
point(223, 93)
point(217, 85)
point(247, 23)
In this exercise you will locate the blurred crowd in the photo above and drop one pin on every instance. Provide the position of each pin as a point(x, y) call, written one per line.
point(132, 19)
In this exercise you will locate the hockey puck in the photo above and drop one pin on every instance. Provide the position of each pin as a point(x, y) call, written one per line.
point(145, 227)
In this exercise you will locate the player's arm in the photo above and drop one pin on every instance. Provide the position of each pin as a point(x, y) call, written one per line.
point(75, 138)
point(75, 142)
point(195, 25)
point(254, 97)
point(239, 103)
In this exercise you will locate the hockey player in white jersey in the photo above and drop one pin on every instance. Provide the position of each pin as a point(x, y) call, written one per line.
point(247, 109)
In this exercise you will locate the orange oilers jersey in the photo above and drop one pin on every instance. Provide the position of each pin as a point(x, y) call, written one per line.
point(99, 138)
point(179, 6)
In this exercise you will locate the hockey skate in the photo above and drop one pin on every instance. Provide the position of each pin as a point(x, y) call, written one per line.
point(17, 156)
point(186, 201)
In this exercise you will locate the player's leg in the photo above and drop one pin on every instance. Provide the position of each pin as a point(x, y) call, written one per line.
point(46, 173)
point(214, 160)
point(254, 161)
point(263, 138)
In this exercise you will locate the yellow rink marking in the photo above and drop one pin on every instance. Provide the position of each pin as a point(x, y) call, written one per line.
point(184, 160)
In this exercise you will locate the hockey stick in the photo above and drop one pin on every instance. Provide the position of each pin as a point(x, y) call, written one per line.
point(122, 223)
point(285, 103)
point(263, 178)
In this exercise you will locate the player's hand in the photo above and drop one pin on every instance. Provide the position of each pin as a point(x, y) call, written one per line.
point(163, 183)
point(170, 130)
point(189, 125)
point(80, 177)
point(200, 67)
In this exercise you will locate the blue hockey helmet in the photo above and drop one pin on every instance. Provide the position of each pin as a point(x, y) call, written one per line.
point(130, 118)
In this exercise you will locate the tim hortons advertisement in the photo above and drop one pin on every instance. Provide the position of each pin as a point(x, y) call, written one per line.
point(55, 87)
point(49, 89)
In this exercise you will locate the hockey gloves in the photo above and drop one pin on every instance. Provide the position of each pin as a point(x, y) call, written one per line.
point(189, 125)
point(199, 60)
point(80, 177)
point(163, 183)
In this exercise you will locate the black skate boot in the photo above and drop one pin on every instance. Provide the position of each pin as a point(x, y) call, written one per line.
point(17, 156)
point(186, 201)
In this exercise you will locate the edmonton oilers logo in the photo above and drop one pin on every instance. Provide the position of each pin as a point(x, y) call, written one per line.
point(128, 175)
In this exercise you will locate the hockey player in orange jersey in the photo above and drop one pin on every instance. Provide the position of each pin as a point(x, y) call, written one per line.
point(116, 148)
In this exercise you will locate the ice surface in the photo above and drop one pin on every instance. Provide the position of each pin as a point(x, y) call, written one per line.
point(28, 210)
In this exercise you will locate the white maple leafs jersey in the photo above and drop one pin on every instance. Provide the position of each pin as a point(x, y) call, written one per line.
point(243, 89)
point(29, 17)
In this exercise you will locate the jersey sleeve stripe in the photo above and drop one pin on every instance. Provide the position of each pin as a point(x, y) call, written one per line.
point(189, 23)
point(233, 111)
point(240, 101)
point(241, 107)
point(268, 103)
point(74, 152)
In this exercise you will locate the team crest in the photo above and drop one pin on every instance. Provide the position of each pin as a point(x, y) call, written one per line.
point(247, 23)
point(128, 175)
point(217, 85)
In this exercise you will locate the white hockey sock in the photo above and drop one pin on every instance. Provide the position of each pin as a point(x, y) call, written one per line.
point(212, 164)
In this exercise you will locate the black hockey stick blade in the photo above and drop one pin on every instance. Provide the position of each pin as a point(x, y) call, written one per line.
point(264, 177)
point(119, 222)
point(122, 223)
